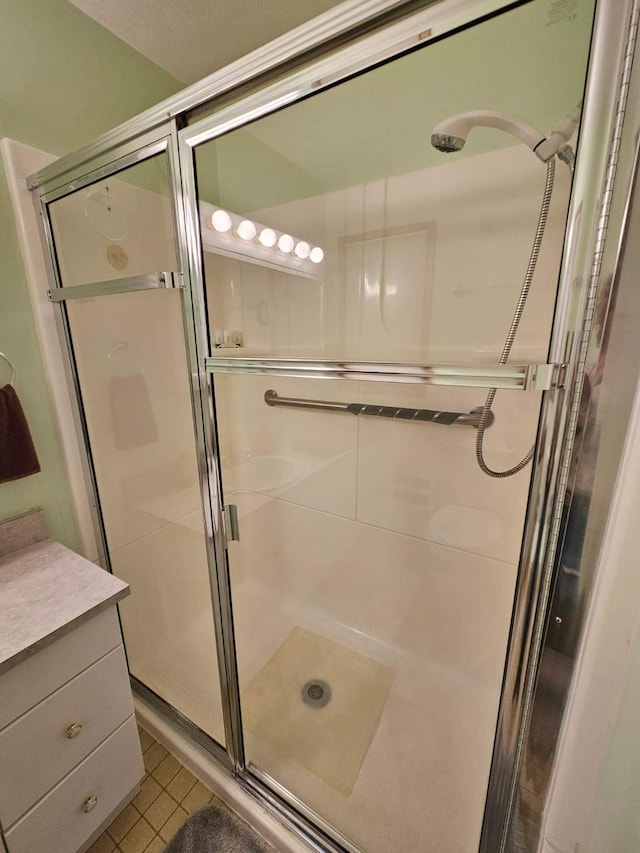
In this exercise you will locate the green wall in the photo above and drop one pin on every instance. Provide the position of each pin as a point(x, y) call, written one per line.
point(529, 62)
point(65, 80)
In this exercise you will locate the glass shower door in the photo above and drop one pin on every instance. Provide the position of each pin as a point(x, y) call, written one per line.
point(359, 285)
point(372, 588)
point(120, 291)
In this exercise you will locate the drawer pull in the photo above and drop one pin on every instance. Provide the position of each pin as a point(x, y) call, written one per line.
point(89, 804)
point(74, 730)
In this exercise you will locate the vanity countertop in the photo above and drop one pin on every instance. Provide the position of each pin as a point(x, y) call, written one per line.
point(47, 590)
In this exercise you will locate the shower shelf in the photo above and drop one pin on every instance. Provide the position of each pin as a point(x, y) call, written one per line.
point(471, 418)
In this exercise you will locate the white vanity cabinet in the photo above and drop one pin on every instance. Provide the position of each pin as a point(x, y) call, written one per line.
point(70, 755)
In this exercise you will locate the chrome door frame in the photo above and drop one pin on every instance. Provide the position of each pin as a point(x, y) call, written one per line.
point(344, 24)
point(374, 30)
point(162, 139)
point(609, 76)
point(604, 290)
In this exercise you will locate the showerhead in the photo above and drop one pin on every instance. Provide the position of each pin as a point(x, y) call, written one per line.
point(446, 143)
point(451, 134)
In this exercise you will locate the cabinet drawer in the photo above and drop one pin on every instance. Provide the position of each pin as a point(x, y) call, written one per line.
point(58, 823)
point(37, 750)
point(36, 677)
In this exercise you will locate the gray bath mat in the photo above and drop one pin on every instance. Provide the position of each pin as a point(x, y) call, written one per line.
point(215, 829)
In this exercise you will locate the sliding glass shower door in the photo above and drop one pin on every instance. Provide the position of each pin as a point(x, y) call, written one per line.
point(122, 297)
point(359, 285)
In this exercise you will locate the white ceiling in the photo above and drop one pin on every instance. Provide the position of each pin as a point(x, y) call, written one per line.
point(192, 38)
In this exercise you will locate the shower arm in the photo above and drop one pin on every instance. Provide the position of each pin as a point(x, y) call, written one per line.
point(450, 135)
point(471, 418)
point(458, 127)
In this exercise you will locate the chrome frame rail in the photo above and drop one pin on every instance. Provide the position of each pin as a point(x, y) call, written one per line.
point(183, 724)
point(610, 284)
point(373, 21)
point(151, 281)
point(615, 31)
point(514, 377)
point(401, 413)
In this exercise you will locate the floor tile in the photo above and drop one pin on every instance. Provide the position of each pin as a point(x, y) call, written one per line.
point(181, 784)
point(154, 816)
point(156, 846)
point(123, 823)
point(197, 797)
point(145, 740)
point(161, 810)
point(166, 770)
point(138, 838)
point(153, 756)
point(104, 844)
point(149, 791)
point(173, 824)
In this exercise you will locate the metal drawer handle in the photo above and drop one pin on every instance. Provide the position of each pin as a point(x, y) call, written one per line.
point(89, 804)
point(74, 730)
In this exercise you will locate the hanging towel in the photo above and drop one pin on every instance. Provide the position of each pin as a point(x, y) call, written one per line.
point(133, 421)
point(18, 456)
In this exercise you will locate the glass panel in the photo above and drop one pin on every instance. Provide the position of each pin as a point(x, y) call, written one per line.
point(131, 360)
point(376, 559)
point(116, 228)
point(130, 355)
point(374, 578)
point(412, 245)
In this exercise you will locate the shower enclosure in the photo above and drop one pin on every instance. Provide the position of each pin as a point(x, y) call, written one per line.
point(283, 310)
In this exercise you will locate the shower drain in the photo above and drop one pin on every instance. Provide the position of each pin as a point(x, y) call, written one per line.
point(316, 693)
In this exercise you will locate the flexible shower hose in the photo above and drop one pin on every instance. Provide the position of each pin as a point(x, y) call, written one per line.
point(515, 322)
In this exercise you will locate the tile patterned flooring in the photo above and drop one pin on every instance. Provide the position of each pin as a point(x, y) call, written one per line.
point(168, 795)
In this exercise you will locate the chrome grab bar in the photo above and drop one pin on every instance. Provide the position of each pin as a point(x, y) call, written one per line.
point(471, 418)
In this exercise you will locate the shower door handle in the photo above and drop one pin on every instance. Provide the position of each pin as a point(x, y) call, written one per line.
point(231, 526)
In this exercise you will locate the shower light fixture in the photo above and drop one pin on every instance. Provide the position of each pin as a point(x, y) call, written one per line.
point(246, 230)
point(286, 243)
point(221, 221)
point(302, 250)
point(268, 237)
point(238, 237)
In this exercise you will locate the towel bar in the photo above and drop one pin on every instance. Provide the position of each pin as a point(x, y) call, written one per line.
point(11, 367)
point(471, 418)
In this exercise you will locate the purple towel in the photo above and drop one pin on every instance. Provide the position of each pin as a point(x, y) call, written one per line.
point(18, 456)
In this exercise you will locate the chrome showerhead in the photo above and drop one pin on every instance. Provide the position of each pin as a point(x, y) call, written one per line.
point(446, 143)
